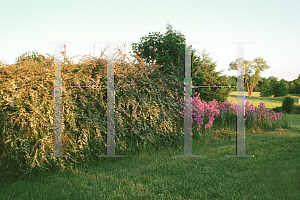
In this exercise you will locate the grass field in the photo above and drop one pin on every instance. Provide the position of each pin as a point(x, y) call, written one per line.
point(273, 172)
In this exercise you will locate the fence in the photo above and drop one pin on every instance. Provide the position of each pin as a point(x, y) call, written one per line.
point(110, 149)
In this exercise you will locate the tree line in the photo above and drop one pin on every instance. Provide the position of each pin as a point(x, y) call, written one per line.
point(163, 50)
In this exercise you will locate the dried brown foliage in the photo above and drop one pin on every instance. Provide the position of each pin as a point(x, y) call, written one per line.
point(145, 111)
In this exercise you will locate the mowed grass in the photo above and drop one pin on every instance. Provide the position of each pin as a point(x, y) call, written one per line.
point(273, 172)
point(255, 99)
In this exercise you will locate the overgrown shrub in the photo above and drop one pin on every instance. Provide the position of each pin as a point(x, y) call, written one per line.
point(146, 112)
point(288, 104)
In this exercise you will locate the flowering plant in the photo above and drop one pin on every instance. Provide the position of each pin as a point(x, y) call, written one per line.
point(213, 108)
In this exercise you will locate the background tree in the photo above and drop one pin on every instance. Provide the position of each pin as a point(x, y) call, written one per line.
point(286, 83)
point(203, 73)
point(280, 89)
point(258, 65)
point(273, 81)
point(233, 81)
point(266, 89)
point(295, 86)
point(291, 87)
point(257, 86)
point(162, 50)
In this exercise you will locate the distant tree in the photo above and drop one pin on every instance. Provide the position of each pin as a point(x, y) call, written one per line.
point(280, 89)
point(285, 82)
point(204, 74)
point(266, 89)
point(295, 86)
point(259, 84)
point(290, 87)
point(273, 81)
point(233, 81)
point(258, 65)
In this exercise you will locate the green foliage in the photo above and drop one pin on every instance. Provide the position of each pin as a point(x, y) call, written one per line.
point(163, 50)
point(294, 86)
point(277, 109)
point(30, 56)
point(288, 104)
point(266, 89)
point(203, 73)
point(257, 65)
point(280, 89)
point(296, 109)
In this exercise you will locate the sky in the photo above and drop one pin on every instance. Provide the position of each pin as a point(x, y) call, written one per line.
point(273, 26)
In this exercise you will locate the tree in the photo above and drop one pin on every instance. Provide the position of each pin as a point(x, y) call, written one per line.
point(204, 74)
point(233, 81)
point(259, 84)
point(266, 89)
point(280, 89)
point(163, 50)
point(256, 88)
point(258, 65)
point(286, 83)
point(273, 81)
point(294, 86)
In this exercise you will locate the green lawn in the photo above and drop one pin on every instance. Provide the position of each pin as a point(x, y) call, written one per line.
point(270, 102)
point(273, 172)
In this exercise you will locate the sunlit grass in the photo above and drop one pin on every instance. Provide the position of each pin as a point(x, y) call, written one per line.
point(271, 174)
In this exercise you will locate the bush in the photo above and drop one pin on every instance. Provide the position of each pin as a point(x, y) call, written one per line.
point(288, 104)
point(277, 109)
point(296, 110)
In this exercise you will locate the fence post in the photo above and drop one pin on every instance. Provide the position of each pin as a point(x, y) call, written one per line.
point(110, 149)
point(188, 142)
point(110, 143)
point(240, 138)
point(240, 135)
point(57, 103)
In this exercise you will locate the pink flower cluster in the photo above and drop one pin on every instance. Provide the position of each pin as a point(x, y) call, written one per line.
point(213, 109)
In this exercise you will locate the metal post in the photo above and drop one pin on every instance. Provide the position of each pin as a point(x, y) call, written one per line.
point(57, 104)
point(188, 142)
point(240, 135)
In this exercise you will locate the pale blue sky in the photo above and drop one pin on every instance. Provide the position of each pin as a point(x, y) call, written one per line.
point(272, 25)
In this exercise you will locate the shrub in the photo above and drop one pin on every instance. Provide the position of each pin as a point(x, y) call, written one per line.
point(277, 109)
point(288, 104)
point(296, 110)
